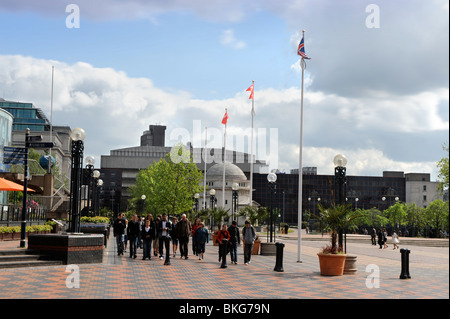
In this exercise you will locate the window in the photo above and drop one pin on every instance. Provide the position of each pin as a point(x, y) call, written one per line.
point(424, 188)
point(424, 198)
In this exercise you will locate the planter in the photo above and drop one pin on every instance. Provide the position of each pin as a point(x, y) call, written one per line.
point(332, 264)
point(268, 249)
point(350, 265)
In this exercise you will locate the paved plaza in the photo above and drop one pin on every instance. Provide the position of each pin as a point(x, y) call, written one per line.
point(195, 280)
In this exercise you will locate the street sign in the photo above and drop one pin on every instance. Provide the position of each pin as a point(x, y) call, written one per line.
point(40, 144)
point(14, 155)
point(35, 138)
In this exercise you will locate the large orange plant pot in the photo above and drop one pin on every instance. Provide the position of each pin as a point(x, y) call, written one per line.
point(332, 264)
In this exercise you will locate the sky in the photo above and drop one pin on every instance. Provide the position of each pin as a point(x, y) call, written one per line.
point(376, 88)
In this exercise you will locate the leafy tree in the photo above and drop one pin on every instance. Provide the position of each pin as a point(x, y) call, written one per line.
point(437, 214)
point(443, 170)
point(169, 184)
point(396, 214)
point(415, 218)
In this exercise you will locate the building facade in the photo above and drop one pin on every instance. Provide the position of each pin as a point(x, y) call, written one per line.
point(6, 122)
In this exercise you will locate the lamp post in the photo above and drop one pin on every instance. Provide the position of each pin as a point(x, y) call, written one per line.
point(271, 178)
point(314, 197)
point(235, 188)
point(90, 161)
point(340, 185)
point(196, 197)
point(143, 197)
point(212, 198)
point(98, 189)
point(95, 175)
point(77, 135)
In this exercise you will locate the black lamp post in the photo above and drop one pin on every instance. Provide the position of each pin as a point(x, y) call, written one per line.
point(196, 196)
point(90, 161)
point(213, 199)
point(77, 135)
point(340, 185)
point(98, 188)
point(234, 202)
point(271, 178)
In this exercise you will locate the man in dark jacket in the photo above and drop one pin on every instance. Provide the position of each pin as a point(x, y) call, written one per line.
point(235, 240)
point(119, 230)
point(183, 231)
point(165, 228)
point(133, 231)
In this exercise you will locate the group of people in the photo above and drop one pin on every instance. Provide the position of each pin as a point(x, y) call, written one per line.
point(382, 236)
point(148, 233)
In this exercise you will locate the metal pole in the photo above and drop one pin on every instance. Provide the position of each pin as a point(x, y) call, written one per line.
point(25, 189)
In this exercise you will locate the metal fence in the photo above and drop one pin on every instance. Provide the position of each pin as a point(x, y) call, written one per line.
point(11, 215)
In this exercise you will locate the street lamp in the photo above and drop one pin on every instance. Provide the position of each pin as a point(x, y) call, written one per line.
point(90, 161)
point(77, 135)
point(235, 188)
point(213, 199)
point(271, 178)
point(196, 197)
point(95, 175)
point(340, 184)
point(143, 197)
point(98, 189)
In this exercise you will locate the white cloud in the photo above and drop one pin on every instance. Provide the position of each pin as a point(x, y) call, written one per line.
point(228, 39)
point(115, 109)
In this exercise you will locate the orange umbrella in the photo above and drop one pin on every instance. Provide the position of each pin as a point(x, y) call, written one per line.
point(6, 185)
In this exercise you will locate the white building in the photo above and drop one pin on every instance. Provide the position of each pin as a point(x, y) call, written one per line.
point(420, 190)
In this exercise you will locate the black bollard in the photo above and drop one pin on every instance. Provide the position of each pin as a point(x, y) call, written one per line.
point(224, 249)
point(405, 264)
point(279, 261)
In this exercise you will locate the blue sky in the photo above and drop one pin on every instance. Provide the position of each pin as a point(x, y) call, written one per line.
point(377, 95)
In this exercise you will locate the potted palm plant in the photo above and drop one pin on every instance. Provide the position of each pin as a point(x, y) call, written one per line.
point(335, 219)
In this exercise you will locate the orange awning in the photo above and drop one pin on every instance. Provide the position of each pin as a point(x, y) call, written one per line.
point(7, 185)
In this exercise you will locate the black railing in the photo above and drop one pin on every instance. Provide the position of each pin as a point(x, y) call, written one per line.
point(10, 214)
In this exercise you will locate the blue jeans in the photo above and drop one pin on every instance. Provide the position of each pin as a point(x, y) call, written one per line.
point(119, 241)
point(233, 251)
point(133, 245)
point(147, 248)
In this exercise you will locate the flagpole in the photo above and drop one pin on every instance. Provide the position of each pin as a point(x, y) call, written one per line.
point(224, 156)
point(49, 168)
point(251, 149)
point(300, 170)
point(204, 175)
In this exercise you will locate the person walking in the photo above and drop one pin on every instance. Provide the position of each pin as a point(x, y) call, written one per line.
point(235, 240)
point(380, 238)
point(221, 235)
point(165, 228)
point(395, 239)
point(194, 228)
point(248, 238)
point(385, 237)
point(133, 231)
point(373, 235)
point(183, 231)
point(173, 234)
point(156, 238)
point(119, 227)
point(147, 237)
point(201, 238)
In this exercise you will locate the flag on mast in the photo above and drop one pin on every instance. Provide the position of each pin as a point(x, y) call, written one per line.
point(225, 118)
point(251, 91)
point(301, 50)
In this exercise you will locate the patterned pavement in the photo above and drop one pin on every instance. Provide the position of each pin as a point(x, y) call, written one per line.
point(202, 280)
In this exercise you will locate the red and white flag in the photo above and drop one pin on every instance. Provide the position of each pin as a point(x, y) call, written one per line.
point(251, 92)
point(225, 118)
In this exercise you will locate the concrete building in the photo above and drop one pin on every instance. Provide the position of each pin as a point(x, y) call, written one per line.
point(420, 190)
point(6, 121)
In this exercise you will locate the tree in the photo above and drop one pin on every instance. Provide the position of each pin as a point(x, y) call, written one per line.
point(169, 185)
point(443, 170)
point(437, 215)
point(396, 214)
point(415, 218)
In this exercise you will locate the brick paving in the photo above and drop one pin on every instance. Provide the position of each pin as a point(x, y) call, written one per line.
point(193, 279)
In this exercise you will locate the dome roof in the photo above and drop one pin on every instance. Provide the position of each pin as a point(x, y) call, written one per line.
point(232, 172)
